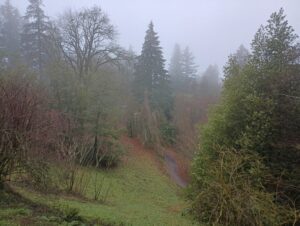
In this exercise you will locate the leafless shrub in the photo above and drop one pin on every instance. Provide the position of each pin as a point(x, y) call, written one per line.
point(21, 127)
point(72, 175)
point(145, 125)
point(29, 130)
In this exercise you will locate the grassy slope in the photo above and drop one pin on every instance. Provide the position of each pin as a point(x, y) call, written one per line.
point(140, 195)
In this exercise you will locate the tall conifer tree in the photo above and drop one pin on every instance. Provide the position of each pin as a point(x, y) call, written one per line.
point(151, 78)
point(10, 29)
point(188, 65)
point(34, 35)
point(176, 67)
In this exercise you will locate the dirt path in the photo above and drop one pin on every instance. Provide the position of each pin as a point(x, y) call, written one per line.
point(173, 171)
point(174, 165)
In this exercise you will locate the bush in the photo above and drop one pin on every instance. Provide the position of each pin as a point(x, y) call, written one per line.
point(228, 190)
point(38, 175)
point(259, 112)
point(168, 133)
point(29, 131)
point(111, 153)
point(71, 214)
point(21, 108)
point(105, 153)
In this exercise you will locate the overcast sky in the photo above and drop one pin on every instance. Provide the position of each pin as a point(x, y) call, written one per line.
point(211, 28)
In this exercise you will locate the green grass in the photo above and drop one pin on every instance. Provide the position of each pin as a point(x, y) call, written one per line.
point(16, 210)
point(8, 216)
point(139, 194)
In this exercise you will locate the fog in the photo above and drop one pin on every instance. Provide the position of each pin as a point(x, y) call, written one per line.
point(211, 28)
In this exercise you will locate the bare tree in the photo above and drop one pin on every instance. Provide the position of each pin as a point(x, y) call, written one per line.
point(87, 40)
point(22, 123)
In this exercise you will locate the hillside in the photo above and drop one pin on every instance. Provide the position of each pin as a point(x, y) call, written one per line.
point(139, 192)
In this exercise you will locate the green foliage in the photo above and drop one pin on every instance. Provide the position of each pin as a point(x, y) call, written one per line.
point(182, 70)
point(9, 34)
point(94, 105)
point(168, 133)
point(209, 84)
point(228, 190)
point(151, 78)
point(112, 157)
point(34, 36)
point(189, 68)
point(176, 67)
point(258, 114)
point(70, 214)
point(108, 154)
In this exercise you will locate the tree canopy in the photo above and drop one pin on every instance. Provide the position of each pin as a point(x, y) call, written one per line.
point(258, 116)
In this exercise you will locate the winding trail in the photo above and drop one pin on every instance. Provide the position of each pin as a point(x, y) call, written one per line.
point(173, 164)
point(173, 170)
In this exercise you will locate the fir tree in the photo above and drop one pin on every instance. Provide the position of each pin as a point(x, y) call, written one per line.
point(236, 62)
point(176, 67)
point(9, 31)
point(274, 44)
point(242, 56)
point(34, 35)
point(209, 84)
point(151, 78)
point(188, 65)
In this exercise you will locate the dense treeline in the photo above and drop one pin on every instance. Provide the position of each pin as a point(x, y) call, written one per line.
point(247, 169)
point(61, 93)
point(168, 104)
point(69, 91)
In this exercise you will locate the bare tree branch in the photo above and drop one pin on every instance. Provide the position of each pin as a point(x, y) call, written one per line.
point(87, 41)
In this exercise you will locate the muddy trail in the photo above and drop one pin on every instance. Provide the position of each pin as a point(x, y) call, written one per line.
point(173, 164)
point(174, 171)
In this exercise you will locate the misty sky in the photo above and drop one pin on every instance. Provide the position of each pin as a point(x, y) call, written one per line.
point(211, 28)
